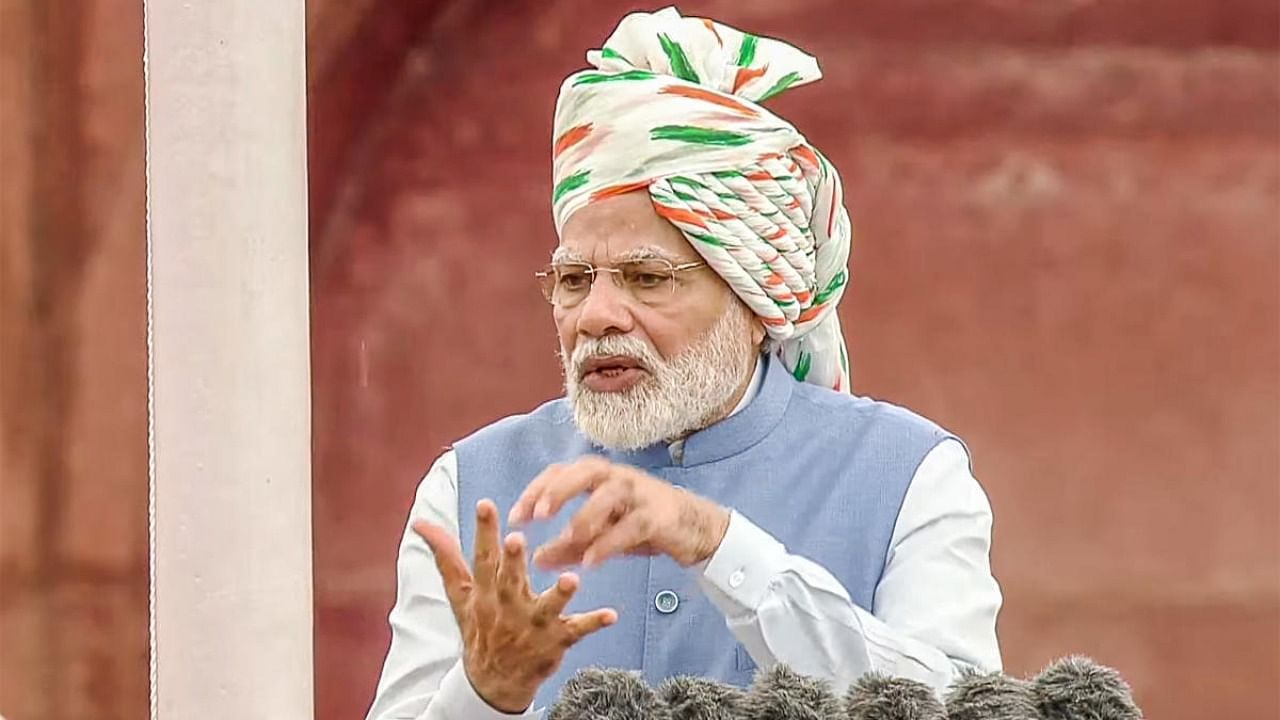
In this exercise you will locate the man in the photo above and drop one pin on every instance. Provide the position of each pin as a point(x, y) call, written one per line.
point(730, 504)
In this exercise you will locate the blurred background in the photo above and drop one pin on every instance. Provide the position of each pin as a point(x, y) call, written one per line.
point(1067, 252)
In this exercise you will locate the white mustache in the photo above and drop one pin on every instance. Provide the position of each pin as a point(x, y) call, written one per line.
point(614, 346)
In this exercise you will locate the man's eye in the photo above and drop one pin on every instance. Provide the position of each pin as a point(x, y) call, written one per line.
point(647, 280)
point(574, 280)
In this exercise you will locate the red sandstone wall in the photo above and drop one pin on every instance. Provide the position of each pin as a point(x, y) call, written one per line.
point(1067, 252)
point(73, 463)
point(73, 454)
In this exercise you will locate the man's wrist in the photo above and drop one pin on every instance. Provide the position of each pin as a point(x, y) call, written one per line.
point(460, 699)
point(509, 704)
point(714, 526)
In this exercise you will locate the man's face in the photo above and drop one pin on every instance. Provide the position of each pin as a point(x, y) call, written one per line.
point(637, 370)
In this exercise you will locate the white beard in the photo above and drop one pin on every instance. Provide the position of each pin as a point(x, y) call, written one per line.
point(677, 397)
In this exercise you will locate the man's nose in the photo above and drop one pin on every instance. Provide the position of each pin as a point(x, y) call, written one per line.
point(605, 310)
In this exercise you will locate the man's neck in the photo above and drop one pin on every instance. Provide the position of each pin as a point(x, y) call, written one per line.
point(750, 386)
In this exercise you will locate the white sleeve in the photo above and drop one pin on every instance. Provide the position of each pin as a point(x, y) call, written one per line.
point(935, 606)
point(423, 677)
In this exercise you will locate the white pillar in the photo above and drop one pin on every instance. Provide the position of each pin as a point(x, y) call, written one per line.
point(229, 359)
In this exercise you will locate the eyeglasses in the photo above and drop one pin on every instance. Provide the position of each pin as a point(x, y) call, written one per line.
point(651, 281)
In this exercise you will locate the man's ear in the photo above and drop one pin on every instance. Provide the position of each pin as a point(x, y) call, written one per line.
point(757, 333)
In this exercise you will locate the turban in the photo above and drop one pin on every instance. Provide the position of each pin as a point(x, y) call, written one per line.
point(672, 105)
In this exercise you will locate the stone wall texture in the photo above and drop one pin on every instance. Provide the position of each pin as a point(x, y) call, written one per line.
point(73, 450)
point(1068, 252)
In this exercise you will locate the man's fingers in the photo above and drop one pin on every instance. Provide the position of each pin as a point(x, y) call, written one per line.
point(568, 482)
point(557, 555)
point(487, 544)
point(529, 505)
point(627, 534)
point(583, 624)
point(447, 554)
point(522, 510)
point(513, 573)
point(554, 599)
point(607, 505)
point(445, 550)
point(630, 532)
point(601, 510)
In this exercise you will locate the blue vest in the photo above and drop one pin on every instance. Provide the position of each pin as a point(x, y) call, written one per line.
point(823, 472)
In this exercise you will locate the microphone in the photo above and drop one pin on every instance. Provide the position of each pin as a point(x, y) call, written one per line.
point(1077, 687)
point(596, 694)
point(783, 694)
point(991, 696)
point(695, 698)
point(878, 697)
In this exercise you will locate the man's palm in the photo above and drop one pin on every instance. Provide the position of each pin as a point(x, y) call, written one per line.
point(513, 639)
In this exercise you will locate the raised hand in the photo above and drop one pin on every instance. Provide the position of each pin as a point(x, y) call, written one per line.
point(629, 512)
point(513, 639)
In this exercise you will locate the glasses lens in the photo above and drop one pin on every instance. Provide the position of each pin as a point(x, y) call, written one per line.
point(547, 282)
point(649, 281)
point(572, 283)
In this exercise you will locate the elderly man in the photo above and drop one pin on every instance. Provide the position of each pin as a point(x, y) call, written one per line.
point(730, 504)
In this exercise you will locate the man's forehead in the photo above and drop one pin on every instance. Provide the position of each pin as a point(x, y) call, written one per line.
point(603, 254)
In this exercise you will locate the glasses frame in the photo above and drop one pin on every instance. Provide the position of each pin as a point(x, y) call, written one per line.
point(593, 271)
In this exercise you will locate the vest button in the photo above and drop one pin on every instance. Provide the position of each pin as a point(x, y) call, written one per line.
point(666, 602)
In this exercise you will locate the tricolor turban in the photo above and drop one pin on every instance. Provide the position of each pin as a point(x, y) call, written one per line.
point(672, 104)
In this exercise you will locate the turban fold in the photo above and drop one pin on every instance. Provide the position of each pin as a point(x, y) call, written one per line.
point(672, 105)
